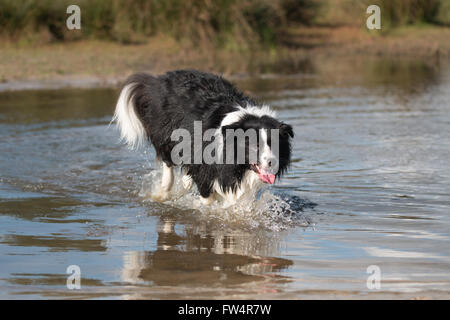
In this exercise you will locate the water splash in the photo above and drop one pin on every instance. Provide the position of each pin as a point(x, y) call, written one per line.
point(274, 212)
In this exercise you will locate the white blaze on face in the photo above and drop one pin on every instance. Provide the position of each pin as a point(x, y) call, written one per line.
point(236, 116)
point(268, 161)
point(267, 165)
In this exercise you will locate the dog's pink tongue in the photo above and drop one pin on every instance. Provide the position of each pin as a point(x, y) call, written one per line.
point(266, 177)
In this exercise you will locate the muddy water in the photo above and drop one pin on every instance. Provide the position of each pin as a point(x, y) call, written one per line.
point(369, 186)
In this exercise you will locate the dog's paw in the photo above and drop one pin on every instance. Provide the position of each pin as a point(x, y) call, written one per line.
point(160, 196)
point(187, 182)
point(207, 201)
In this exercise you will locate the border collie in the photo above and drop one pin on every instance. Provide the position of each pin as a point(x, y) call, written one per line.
point(150, 108)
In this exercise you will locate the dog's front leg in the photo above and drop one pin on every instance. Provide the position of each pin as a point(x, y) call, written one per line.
point(163, 193)
point(209, 200)
point(187, 182)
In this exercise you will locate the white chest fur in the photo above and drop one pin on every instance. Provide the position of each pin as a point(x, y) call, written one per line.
point(248, 188)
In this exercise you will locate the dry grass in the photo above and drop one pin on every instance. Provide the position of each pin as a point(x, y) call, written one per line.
point(110, 60)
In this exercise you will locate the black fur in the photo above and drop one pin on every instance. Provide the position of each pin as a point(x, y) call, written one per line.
point(177, 99)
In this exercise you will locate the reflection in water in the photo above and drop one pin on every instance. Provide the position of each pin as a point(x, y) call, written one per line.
point(54, 243)
point(412, 77)
point(383, 252)
point(402, 78)
point(200, 258)
point(42, 279)
point(51, 209)
point(48, 106)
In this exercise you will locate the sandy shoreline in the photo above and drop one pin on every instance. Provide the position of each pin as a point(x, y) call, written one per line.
point(97, 64)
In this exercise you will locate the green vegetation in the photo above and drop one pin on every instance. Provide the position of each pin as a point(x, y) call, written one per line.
point(218, 22)
point(232, 24)
point(394, 13)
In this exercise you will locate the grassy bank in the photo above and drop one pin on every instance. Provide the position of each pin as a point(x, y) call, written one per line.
point(106, 60)
point(232, 24)
point(118, 38)
point(219, 23)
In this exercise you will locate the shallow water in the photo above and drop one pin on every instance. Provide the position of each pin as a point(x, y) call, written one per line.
point(369, 185)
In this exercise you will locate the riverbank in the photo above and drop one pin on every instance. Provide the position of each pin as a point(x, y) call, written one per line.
point(93, 63)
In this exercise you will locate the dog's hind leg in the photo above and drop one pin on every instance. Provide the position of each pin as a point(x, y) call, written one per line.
point(163, 193)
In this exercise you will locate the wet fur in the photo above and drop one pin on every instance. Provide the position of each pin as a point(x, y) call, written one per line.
point(177, 99)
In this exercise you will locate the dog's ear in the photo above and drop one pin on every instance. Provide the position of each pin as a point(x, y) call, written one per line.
point(286, 130)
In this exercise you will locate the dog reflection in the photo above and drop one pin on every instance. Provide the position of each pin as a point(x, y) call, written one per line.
point(199, 258)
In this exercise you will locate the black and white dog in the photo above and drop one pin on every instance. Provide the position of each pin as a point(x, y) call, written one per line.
point(153, 108)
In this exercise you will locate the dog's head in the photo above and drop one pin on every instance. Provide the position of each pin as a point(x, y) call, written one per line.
point(261, 144)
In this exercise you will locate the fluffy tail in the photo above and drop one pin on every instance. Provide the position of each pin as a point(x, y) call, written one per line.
point(131, 129)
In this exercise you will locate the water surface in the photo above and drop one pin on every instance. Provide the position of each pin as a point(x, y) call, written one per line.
point(369, 185)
